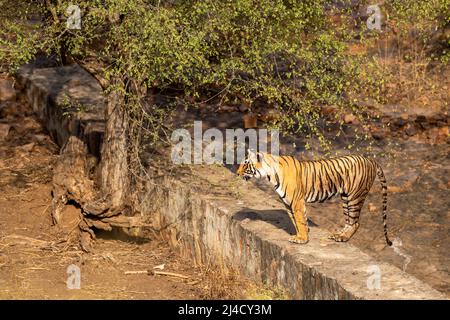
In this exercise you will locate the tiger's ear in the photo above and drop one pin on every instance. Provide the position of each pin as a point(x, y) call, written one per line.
point(251, 155)
point(259, 156)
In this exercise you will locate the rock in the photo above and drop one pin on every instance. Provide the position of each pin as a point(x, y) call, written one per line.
point(425, 125)
point(435, 118)
point(70, 218)
point(7, 109)
point(349, 118)
point(378, 134)
point(432, 121)
point(328, 110)
point(250, 121)
point(26, 147)
point(443, 133)
point(405, 183)
point(31, 124)
point(379, 247)
point(404, 116)
point(421, 118)
point(398, 123)
point(385, 120)
point(4, 130)
point(270, 115)
point(86, 241)
point(7, 91)
point(225, 108)
point(243, 107)
point(408, 178)
point(411, 130)
point(394, 189)
point(372, 207)
point(438, 135)
point(40, 137)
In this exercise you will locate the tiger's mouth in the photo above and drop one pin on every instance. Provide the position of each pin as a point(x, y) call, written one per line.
point(247, 177)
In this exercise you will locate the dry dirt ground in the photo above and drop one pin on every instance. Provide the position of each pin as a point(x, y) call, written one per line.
point(35, 256)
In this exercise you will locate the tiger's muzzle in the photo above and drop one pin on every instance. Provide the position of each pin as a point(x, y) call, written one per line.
point(246, 172)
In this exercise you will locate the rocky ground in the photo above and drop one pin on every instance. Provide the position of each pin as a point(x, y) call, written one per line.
point(413, 147)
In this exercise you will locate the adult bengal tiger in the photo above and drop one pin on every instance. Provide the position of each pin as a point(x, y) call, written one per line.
point(299, 182)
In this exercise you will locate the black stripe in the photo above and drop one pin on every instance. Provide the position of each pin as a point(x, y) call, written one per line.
point(331, 185)
point(329, 172)
point(277, 179)
point(336, 174)
point(313, 178)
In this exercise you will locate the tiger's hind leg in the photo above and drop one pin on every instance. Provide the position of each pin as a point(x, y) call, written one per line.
point(345, 233)
point(352, 209)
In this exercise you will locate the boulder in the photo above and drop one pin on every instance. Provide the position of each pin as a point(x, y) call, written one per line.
point(411, 130)
point(4, 130)
point(438, 135)
point(349, 118)
point(7, 91)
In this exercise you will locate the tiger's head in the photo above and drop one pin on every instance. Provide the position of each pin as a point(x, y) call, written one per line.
point(253, 166)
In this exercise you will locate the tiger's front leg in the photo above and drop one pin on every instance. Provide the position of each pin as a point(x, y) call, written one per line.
point(298, 217)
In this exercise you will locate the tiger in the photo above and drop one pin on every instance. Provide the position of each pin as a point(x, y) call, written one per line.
point(300, 182)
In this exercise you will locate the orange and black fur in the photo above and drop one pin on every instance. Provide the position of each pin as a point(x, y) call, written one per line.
point(299, 182)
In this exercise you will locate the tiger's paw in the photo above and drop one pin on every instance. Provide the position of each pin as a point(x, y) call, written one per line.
point(338, 237)
point(345, 233)
point(298, 240)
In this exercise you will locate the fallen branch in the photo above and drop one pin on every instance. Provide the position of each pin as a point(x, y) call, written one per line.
point(170, 274)
point(157, 272)
point(24, 240)
point(137, 272)
point(126, 222)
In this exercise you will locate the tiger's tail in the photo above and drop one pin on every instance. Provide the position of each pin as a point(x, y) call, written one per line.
point(382, 178)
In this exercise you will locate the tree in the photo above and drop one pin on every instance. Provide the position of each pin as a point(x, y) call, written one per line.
point(284, 54)
point(37, 27)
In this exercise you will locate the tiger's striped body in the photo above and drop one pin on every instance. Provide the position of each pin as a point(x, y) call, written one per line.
point(299, 182)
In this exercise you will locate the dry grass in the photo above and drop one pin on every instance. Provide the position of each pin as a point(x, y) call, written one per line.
point(225, 283)
point(413, 75)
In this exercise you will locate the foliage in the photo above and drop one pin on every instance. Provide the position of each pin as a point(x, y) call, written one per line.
point(284, 54)
point(428, 21)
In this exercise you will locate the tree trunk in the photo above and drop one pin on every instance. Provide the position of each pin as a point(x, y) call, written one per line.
point(114, 160)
